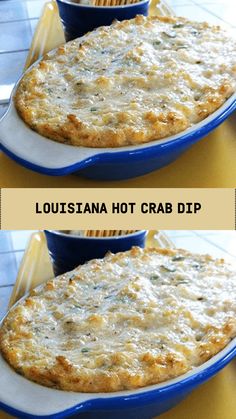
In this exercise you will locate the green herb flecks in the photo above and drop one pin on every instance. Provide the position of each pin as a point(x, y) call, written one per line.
point(168, 268)
point(177, 258)
point(171, 34)
point(157, 42)
point(178, 25)
point(154, 277)
point(84, 350)
point(197, 266)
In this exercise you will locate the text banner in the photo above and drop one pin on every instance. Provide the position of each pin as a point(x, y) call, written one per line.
point(118, 208)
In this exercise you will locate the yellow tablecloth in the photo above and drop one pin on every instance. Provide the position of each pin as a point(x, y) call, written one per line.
point(213, 400)
point(209, 163)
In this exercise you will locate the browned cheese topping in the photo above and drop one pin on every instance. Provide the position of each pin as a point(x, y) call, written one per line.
point(130, 83)
point(126, 321)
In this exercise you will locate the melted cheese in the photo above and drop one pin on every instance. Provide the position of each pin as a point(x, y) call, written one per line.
point(129, 320)
point(130, 83)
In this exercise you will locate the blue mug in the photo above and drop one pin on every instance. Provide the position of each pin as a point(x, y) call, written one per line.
point(78, 19)
point(68, 251)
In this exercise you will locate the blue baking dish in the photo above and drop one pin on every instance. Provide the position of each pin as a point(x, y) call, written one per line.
point(25, 399)
point(68, 251)
point(45, 156)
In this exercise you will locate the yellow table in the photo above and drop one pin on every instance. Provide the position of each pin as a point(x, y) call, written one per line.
point(211, 163)
point(213, 400)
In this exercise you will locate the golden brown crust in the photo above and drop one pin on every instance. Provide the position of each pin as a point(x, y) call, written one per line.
point(128, 364)
point(114, 107)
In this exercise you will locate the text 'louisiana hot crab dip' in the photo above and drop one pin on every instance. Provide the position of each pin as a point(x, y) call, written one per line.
point(126, 321)
point(130, 83)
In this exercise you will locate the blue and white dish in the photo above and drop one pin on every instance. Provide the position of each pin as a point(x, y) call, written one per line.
point(25, 399)
point(45, 156)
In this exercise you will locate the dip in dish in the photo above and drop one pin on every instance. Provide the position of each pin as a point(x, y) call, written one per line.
point(146, 79)
point(123, 322)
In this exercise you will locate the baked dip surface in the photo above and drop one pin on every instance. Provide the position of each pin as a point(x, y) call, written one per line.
point(128, 320)
point(129, 83)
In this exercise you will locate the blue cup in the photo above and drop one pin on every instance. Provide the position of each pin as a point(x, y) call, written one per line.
point(79, 19)
point(68, 251)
